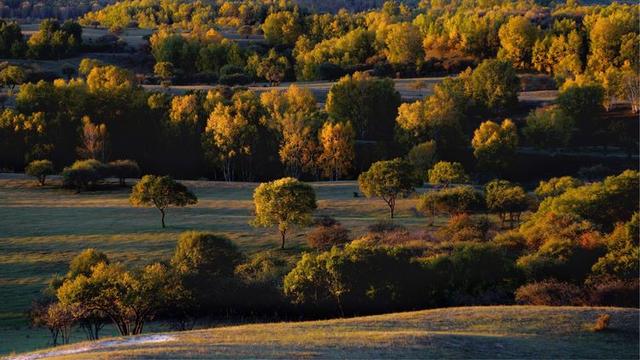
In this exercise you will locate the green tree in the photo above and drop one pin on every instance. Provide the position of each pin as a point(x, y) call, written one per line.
point(39, 169)
point(445, 173)
point(494, 86)
point(623, 251)
point(404, 44)
point(422, 157)
point(123, 169)
point(273, 67)
point(549, 128)
point(452, 201)
point(583, 103)
point(164, 70)
point(83, 263)
point(370, 104)
point(495, 145)
point(161, 192)
point(506, 199)
point(388, 180)
point(284, 203)
point(557, 186)
point(11, 76)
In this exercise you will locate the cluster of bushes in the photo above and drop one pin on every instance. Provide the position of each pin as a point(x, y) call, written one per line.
point(84, 174)
point(52, 41)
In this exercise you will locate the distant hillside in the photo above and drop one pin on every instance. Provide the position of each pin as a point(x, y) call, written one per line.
point(468, 332)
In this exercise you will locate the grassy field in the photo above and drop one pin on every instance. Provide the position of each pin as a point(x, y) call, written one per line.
point(472, 332)
point(41, 229)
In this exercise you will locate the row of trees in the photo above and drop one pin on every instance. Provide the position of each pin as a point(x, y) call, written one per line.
point(52, 41)
point(582, 237)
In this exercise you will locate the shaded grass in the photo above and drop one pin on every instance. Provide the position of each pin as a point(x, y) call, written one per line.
point(469, 332)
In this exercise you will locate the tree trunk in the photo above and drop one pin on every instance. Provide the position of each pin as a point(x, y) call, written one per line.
point(282, 236)
point(162, 212)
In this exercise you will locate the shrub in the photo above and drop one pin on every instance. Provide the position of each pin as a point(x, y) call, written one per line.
point(123, 169)
point(325, 237)
point(39, 169)
point(463, 227)
point(614, 292)
point(384, 226)
point(549, 292)
point(452, 201)
point(83, 174)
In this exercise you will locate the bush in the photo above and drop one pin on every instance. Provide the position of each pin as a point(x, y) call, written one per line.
point(384, 226)
point(463, 227)
point(234, 79)
point(325, 237)
point(452, 201)
point(549, 292)
point(614, 292)
point(39, 169)
point(602, 322)
point(83, 174)
point(230, 69)
point(123, 169)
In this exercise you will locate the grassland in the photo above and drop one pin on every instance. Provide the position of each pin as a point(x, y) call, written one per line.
point(41, 229)
point(472, 332)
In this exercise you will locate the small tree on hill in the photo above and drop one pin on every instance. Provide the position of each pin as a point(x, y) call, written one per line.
point(446, 173)
point(506, 199)
point(389, 180)
point(283, 203)
point(39, 169)
point(123, 169)
point(161, 192)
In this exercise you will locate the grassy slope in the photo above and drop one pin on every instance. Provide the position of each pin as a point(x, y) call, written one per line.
point(41, 229)
point(471, 332)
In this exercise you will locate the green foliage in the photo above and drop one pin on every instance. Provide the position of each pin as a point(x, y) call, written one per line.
point(464, 228)
point(161, 192)
point(517, 38)
point(12, 44)
point(39, 169)
point(446, 173)
point(452, 201)
point(506, 199)
point(494, 86)
point(123, 169)
point(284, 203)
point(11, 76)
point(84, 174)
point(623, 251)
point(422, 157)
point(388, 180)
point(369, 104)
point(602, 203)
point(83, 263)
point(495, 145)
point(557, 186)
point(54, 41)
point(282, 28)
point(358, 278)
point(583, 103)
point(549, 128)
point(273, 67)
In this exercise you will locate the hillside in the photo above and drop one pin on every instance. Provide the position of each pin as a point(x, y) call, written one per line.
point(478, 332)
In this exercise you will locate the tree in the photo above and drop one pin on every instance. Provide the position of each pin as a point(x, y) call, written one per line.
point(445, 173)
point(404, 44)
point(283, 203)
point(557, 186)
point(11, 76)
point(623, 251)
point(282, 28)
point(494, 86)
point(94, 140)
point(161, 192)
point(123, 169)
point(517, 38)
point(370, 104)
point(204, 262)
point(86, 65)
point(389, 180)
point(506, 199)
point(83, 173)
point(39, 169)
point(337, 143)
point(422, 157)
point(128, 299)
point(495, 145)
point(549, 128)
point(164, 70)
point(83, 263)
point(583, 103)
point(273, 68)
point(452, 201)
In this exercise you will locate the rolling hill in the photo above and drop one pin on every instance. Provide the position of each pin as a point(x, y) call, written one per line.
point(466, 332)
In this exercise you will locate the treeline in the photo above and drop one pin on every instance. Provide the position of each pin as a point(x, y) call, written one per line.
point(52, 41)
point(236, 134)
point(579, 247)
point(47, 9)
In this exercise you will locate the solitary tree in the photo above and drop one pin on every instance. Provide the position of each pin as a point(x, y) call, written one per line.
point(283, 203)
point(161, 192)
point(446, 173)
point(389, 180)
point(39, 169)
